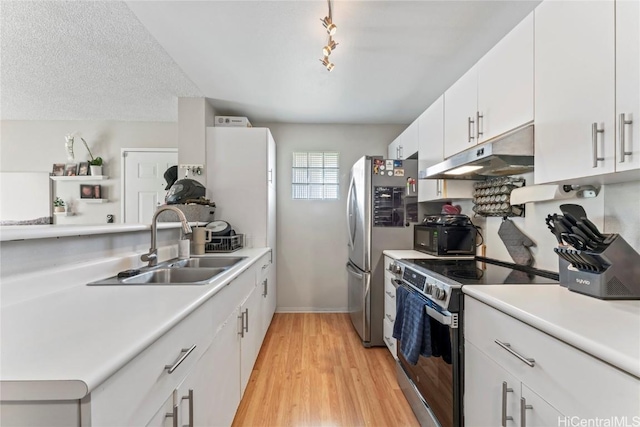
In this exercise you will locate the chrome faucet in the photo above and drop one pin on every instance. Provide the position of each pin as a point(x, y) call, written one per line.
point(152, 256)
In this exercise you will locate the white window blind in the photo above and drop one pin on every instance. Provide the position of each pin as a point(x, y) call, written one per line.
point(315, 176)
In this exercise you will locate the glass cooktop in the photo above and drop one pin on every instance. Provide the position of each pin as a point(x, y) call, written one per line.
point(484, 271)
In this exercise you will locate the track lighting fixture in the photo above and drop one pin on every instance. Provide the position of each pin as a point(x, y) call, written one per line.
point(331, 45)
point(329, 25)
point(325, 61)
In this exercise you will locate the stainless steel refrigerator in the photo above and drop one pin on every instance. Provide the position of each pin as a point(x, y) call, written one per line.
point(381, 210)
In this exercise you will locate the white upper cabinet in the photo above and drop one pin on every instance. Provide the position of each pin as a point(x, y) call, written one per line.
point(505, 83)
point(495, 95)
point(574, 89)
point(431, 149)
point(406, 144)
point(460, 109)
point(628, 84)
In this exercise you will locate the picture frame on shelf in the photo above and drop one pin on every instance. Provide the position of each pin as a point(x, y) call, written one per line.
point(58, 169)
point(71, 169)
point(97, 192)
point(86, 191)
point(83, 168)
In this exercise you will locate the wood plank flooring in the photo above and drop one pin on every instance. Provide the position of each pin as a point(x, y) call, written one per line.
point(313, 371)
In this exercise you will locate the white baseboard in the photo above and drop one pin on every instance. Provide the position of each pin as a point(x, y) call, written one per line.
point(311, 310)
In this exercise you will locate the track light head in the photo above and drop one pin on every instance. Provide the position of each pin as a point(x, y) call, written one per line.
point(329, 25)
point(325, 61)
point(330, 47)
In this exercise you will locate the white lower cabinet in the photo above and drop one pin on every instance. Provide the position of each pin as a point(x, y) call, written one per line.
point(494, 397)
point(251, 333)
point(164, 416)
point(554, 378)
point(389, 308)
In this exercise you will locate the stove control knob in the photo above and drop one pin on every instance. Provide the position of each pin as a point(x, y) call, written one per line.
point(439, 293)
point(395, 268)
point(429, 288)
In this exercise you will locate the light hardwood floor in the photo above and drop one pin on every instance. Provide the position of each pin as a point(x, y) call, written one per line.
point(313, 371)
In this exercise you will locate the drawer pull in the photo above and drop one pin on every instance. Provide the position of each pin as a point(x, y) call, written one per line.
point(505, 417)
point(189, 397)
point(389, 317)
point(390, 294)
point(507, 346)
point(173, 415)
point(388, 341)
point(523, 411)
point(594, 144)
point(186, 352)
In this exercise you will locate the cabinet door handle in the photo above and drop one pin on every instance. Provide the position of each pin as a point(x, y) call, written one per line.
point(401, 151)
point(246, 324)
point(507, 346)
point(594, 143)
point(241, 317)
point(266, 290)
point(173, 415)
point(389, 317)
point(479, 116)
point(190, 398)
point(439, 187)
point(505, 417)
point(388, 341)
point(469, 132)
point(185, 353)
point(621, 125)
point(523, 411)
point(270, 177)
point(390, 294)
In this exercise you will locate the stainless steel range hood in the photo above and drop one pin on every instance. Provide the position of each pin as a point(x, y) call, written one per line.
point(508, 154)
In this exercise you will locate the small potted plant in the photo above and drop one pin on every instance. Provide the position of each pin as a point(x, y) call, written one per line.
point(58, 205)
point(95, 164)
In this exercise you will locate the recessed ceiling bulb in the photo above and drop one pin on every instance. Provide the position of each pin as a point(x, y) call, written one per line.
point(330, 26)
point(326, 63)
point(330, 47)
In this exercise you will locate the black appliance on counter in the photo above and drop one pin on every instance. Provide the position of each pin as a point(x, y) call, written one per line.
point(445, 235)
point(434, 386)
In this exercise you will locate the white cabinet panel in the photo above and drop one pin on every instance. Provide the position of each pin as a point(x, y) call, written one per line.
point(628, 83)
point(505, 83)
point(574, 89)
point(538, 412)
point(484, 398)
point(251, 320)
point(460, 108)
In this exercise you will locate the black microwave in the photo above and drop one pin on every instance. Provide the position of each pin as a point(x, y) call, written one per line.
point(443, 240)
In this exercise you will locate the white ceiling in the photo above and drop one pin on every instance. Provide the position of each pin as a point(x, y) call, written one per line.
point(104, 60)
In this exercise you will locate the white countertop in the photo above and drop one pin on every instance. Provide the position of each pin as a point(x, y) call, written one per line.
point(74, 339)
point(411, 254)
point(26, 232)
point(608, 330)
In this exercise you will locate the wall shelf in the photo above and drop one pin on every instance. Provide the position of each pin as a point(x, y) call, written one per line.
point(66, 213)
point(79, 178)
point(94, 200)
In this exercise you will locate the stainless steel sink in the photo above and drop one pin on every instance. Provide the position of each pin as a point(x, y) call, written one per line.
point(165, 276)
point(207, 262)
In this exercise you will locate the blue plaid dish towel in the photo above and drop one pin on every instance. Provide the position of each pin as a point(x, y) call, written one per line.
point(411, 326)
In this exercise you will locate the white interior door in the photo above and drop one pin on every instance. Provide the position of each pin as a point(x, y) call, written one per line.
point(143, 182)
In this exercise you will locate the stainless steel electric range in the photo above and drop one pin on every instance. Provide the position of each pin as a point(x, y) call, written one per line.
point(435, 385)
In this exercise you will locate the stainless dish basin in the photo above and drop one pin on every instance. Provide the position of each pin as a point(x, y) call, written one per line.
point(207, 262)
point(165, 276)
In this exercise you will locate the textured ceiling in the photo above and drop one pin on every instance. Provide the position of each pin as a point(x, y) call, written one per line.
point(130, 61)
point(84, 60)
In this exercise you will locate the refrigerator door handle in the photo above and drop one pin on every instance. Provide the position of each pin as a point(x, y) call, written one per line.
point(352, 271)
point(351, 242)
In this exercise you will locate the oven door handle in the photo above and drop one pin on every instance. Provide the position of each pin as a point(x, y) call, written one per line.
point(451, 321)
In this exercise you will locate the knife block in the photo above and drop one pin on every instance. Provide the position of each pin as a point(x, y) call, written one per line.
point(619, 280)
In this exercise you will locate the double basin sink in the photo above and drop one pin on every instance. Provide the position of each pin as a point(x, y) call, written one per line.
point(191, 271)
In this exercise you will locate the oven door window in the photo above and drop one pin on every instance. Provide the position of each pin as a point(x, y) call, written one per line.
point(436, 377)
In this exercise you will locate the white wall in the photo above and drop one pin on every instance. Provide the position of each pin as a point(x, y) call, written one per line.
point(312, 244)
point(33, 146)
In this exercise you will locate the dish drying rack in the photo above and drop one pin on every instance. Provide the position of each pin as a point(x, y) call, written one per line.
point(222, 244)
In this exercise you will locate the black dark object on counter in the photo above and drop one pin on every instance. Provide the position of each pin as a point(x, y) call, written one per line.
point(128, 273)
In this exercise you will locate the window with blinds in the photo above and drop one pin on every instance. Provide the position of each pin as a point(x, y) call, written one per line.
point(315, 176)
